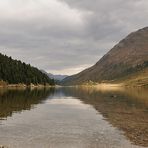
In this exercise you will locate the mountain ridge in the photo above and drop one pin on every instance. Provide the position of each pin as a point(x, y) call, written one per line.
point(55, 77)
point(128, 56)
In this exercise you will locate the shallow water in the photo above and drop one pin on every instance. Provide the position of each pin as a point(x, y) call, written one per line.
point(74, 118)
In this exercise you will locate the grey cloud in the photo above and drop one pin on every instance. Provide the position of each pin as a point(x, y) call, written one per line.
point(61, 35)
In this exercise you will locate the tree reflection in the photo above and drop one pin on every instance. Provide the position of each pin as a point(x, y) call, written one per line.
point(14, 100)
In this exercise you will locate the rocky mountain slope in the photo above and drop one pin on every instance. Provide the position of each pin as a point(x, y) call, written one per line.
point(129, 56)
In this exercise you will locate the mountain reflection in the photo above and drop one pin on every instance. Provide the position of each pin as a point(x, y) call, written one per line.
point(13, 100)
point(126, 109)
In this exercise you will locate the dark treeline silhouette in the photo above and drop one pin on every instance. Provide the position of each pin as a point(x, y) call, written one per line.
point(15, 72)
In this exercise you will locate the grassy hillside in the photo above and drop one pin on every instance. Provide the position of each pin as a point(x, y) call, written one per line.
point(136, 79)
point(129, 56)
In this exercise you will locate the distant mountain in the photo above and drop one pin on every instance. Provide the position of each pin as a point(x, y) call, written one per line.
point(16, 72)
point(55, 77)
point(129, 56)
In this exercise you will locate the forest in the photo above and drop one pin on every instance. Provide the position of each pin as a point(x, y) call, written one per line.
point(17, 72)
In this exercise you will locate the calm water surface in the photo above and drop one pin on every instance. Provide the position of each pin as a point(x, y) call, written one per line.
point(74, 118)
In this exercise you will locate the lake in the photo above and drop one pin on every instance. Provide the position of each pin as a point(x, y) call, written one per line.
point(72, 117)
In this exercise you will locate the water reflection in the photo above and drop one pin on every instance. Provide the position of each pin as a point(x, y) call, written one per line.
point(126, 109)
point(63, 115)
point(14, 100)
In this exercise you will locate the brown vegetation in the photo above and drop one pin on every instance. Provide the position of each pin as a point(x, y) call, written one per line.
point(128, 57)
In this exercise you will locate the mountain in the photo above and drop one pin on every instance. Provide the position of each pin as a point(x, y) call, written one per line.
point(128, 57)
point(15, 72)
point(55, 77)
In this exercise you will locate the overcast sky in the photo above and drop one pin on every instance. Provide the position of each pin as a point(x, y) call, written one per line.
point(66, 36)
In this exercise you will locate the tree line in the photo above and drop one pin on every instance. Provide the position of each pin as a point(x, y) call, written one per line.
point(16, 72)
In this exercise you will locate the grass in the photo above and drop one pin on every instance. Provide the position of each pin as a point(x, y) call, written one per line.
point(137, 79)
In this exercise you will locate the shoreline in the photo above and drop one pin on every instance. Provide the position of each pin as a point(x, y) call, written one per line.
point(24, 86)
point(108, 86)
point(99, 86)
point(116, 85)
